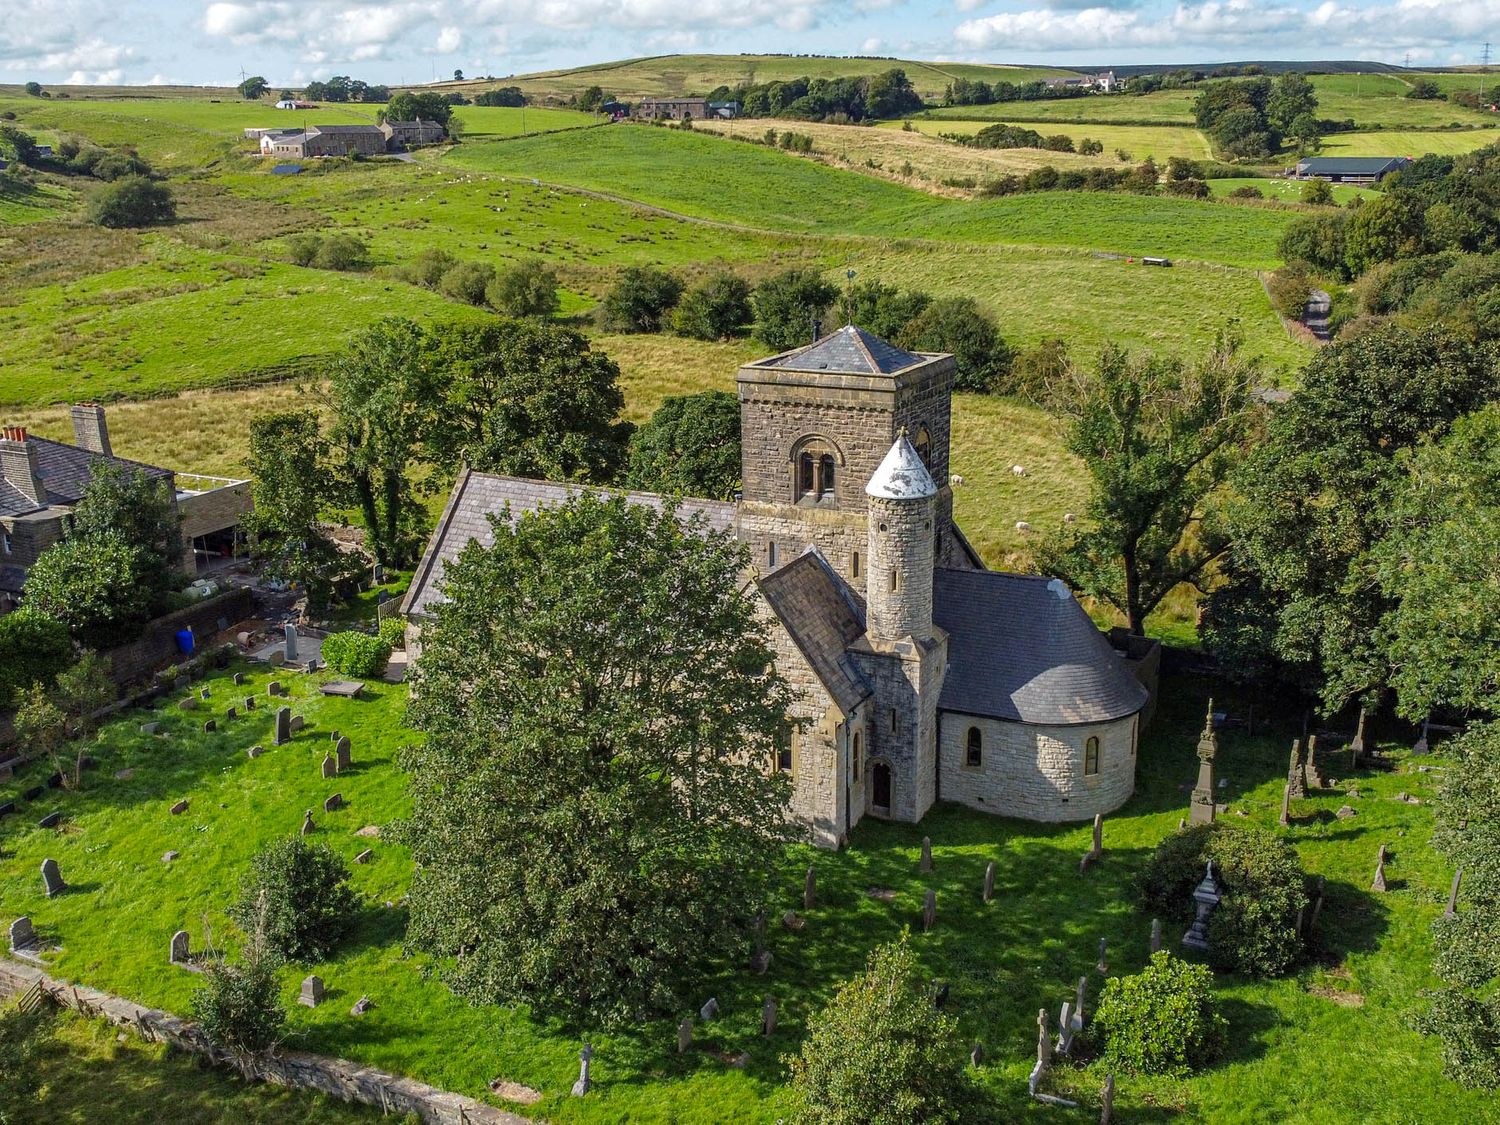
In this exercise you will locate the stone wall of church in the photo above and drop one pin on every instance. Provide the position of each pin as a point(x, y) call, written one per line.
point(899, 599)
point(902, 724)
point(1037, 772)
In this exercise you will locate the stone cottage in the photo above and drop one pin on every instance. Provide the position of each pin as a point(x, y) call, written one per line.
point(919, 675)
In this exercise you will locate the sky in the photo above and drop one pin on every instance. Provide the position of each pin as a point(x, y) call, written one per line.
point(210, 42)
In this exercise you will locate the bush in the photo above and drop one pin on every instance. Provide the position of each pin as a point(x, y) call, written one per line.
point(1317, 192)
point(787, 306)
point(1037, 368)
point(133, 201)
point(715, 309)
point(239, 1006)
point(428, 267)
point(356, 654)
point(393, 632)
point(1163, 1020)
point(24, 1041)
point(34, 648)
point(1191, 189)
point(528, 288)
point(1289, 288)
point(958, 325)
point(467, 281)
point(640, 300)
point(1247, 191)
point(97, 586)
point(297, 898)
point(1262, 886)
point(341, 252)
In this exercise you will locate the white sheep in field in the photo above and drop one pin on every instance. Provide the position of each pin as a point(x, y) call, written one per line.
point(1022, 525)
point(955, 480)
point(1018, 470)
point(1070, 518)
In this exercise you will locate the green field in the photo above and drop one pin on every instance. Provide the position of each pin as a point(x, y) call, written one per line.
point(1164, 107)
point(1285, 191)
point(1394, 142)
point(1379, 100)
point(1158, 142)
point(1330, 1044)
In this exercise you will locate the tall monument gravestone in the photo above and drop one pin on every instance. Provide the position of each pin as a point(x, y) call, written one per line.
point(1201, 809)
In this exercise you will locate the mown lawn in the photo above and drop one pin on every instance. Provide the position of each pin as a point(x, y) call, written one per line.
point(1329, 1044)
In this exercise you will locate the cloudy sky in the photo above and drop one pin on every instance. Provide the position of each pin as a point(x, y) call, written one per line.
point(291, 41)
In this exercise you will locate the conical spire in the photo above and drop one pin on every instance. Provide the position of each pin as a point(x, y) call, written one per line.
point(901, 476)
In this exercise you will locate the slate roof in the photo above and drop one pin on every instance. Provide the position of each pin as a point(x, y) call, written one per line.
point(477, 496)
point(1022, 648)
point(65, 472)
point(824, 617)
point(331, 130)
point(1351, 165)
point(849, 351)
point(901, 476)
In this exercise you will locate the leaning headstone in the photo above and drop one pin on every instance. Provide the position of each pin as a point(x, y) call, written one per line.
point(276, 659)
point(22, 935)
point(364, 856)
point(925, 863)
point(684, 1035)
point(1357, 743)
point(929, 910)
point(188, 704)
point(169, 857)
point(1103, 965)
point(177, 952)
point(585, 1056)
point(341, 754)
point(361, 1006)
point(1156, 935)
point(989, 882)
point(1286, 805)
point(239, 679)
point(273, 689)
point(709, 1010)
point(52, 880)
point(1043, 1041)
point(51, 820)
point(1296, 773)
point(312, 992)
point(179, 808)
point(291, 641)
point(334, 803)
point(1107, 1100)
point(296, 723)
point(330, 766)
point(1458, 877)
point(283, 726)
point(1378, 885)
point(1065, 1029)
point(768, 1017)
point(150, 728)
point(307, 823)
point(809, 889)
point(255, 751)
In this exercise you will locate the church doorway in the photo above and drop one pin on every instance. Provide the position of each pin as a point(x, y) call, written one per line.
point(880, 780)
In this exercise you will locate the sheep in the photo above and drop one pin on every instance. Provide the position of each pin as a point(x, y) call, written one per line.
point(1070, 518)
point(955, 480)
point(1022, 525)
point(1018, 470)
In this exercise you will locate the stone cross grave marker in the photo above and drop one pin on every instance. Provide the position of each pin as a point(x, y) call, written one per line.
point(925, 864)
point(341, 753)
point(809, 889)
point(768, 1017)
point(929, 910)
point(312, 992)
point(307, 823)
point(684, 1035)
point(52, 880)
point(283, 726)
point(1043, 1040)
point(178, 951)
point(330, 765)
point(585, 1057)
point(989, 882)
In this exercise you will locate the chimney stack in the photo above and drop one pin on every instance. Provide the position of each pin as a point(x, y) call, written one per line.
point(18, 464)
point(817, 331)
point(90, 431)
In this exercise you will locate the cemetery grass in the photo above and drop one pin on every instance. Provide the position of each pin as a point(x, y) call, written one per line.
point(1331, 1043)
point(92, 1064)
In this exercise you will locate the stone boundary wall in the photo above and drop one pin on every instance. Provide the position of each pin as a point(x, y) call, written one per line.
point(157, 644)
point(297, 1069)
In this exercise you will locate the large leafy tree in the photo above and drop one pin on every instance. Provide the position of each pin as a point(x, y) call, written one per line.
point(1157, 437)
point(132, 201)
point(881, 1053)
point(959, 326)
point(594, 819)
point(93, 584)
point(1313, 498)
point(715, 309)
point(789, 305)
point(34, 648)
point(641, 300)
point(531, 399)
point(384, 388)
point(690, 447)
point(252, 88)
point(408, 106)
point(139, 509)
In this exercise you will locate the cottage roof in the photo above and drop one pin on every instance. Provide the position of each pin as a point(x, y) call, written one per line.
point(477, 496)
point(823, 616)
point(332, 130)
point(1351, 165)
point(901, 476)
point(1021, 648)
point(65, 471)
point(850, 351)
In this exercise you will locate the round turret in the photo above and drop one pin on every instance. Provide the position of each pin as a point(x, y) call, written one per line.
point(902, 502)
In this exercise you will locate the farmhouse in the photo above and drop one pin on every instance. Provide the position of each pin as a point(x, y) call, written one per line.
point(1105, 82)
point(41, 481)
point(326, 140)
point(673, 109)
point(919, 675)
point(1350, 169)
point(402, 135)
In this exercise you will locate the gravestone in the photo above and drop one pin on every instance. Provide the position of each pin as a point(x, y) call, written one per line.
point(334, 803)
point(334, 736)
point(1357, 743)
point(177, 952)
point(51, 820)
point(361, 1006)
point(239, 679)
point(1201, 809)
point(768, 1017)
point(1424, 745)
point(1065, 1029)
point(1078, 996)
point(1205, 898)
point(231, 714)
point(585, 1056)
point(150, 728)
point(1301, 915)
point(1378, 884)
point(809, 889)
point(296, 723)
point(169, 857)
point(22, 935)
point(1317, 903)
point(364, 856)
point(1107, 1100)
point(255, 751)
point(249, 703)
point(709, 1010)
point(925, 864)
point(34, 792)
point(976, 1056)
point(1315, 778)
point(1103, 966)
point(283, 726)
point(276, 659)
point(1286, 805)
point(341, 752)
point(793, 921)
point(1296, 775)
point(206, 693)
point(210, 726)
point(273, 688)
point(52, 880)
point(1156, 935)
point(179, 808)
point(929, 910)
point(188, 704)
point(312, 992)
point(1345, 812)
point(291, 641)
point(8, 807)
point(307, 823)
point(181, 683)
point(760, 962)
point(1453, 894)
point(1043, 1041)
point(330, 767)
point(989, 882)
point(1098, 849)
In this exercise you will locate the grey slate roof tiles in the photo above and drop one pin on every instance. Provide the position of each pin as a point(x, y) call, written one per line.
point(1022, 648)
point(849, 351)
point(823, 617)
point(65, 471)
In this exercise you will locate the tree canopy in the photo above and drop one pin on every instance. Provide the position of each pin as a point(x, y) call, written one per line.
point(595, 820)
point(132, 201)
point(407, 106)
point(690, 447)
point(788, 304)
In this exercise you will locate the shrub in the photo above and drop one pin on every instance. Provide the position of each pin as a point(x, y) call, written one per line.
point(1163, 1020)
point(528, 288)
point(133, 201)
point(715, 309)
point(297, 898)
point(467, 281)
point(1289, 288)
point(1090, 147)
point(1317, 192)
point(1038, 367)
point(1261, 884)
point(1060, 142)
point(302, 249)
point(1247, 191)
point(34, 648)
point(1191, 189)
point(1040, 179)
point(356, 654)
point(428, 267)
point(341, 252)
point(239, 1005)
point(640, 300)
point(97, 586)
point(958, 325)
point(787, 306)
point(24, 1041)
point(393, 632)
point(1002, 185)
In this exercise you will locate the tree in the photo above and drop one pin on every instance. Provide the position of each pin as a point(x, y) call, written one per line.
point(41, 726)
point(1317, 240)
point(788, 305)
point(33, 89)
point(297, 897)
point(528, 288)
point(882, 1053)
point(34, 648)
point(383, 388)
point(17, 145)
point(1436, 567)
point(239, 1005)
point(1312, 498)
point(591, 99)
point(132, 201)
point(408, 106)
point(82, 692)
point(1157, 437)
point(1465, 1013)
point(467, 281)
point(142, 511)
point(715, 309)
point(690, 447)
point(883, 309)
point(640, 300)
point(531, 399)
point(594, 822)
point(252, 89)
point(458, 75)
point(95, 585)
point(890, 94)
point(1317, 192)
point(1306, 132)
point(1163, 1020)
point(1293, 97)
point(959, 326)
point(1384, 229)
point(1425, 89)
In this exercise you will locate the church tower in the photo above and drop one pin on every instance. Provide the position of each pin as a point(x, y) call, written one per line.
point(901, 505)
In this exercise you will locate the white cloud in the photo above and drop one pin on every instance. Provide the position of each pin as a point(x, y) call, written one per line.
point(95, 78)
point(449, 40)
point(871, 46)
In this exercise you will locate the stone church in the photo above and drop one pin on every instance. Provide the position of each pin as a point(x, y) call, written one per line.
point(918, 674)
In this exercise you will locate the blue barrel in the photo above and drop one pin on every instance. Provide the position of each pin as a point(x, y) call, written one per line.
point(185, 641)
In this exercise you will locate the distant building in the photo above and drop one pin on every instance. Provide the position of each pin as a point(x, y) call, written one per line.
point(723, 109)
point(292, 103)
point(614, 109)
point(673, 109)
point(41, 481)
point(1105, 82)
point(326, 140)
point(401, 135)
point(1350, 169)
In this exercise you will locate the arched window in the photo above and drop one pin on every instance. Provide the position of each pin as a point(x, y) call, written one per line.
point(924, 446)
point(806, 474)
point(856, 755)
point(974, 751)
point(784, 753)
point(815, 465)
point(1091, 756)
point(825, 464)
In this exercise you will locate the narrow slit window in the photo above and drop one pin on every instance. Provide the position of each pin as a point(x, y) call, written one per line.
point(1091, 756)
point(854, 565)
point(771, 554)
point(974, 751)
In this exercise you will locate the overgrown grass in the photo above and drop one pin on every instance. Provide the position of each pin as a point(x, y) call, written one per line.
point(1300, 1048)
point(1160, 142)
point(21, 202)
